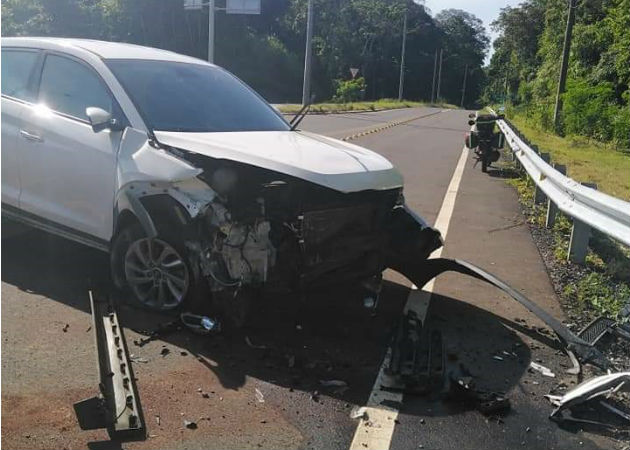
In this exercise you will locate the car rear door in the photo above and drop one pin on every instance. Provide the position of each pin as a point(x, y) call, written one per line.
point(17, 93)
point(68, 170)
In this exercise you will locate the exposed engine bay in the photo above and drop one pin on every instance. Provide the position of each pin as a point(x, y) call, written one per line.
point(248, 227)
point(271, 230)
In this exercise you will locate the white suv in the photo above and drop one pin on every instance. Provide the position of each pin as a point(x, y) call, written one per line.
point(196, 186)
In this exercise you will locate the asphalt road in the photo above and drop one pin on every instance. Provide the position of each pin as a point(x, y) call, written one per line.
point(328, 336)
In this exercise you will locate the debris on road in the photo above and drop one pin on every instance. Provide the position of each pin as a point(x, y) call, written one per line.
point(418, 358)
point(497, 357)
point(200, 324)
point(165, 351)
point(255, 346)
point(259, 396)
point(65, 328)
point(190, 424)
point(138, 359)
point(604, 385)
point(617, 411)
point(422, 270)
point(359, 412)
point(601, 326)
point(118, 409)
point(462, 388)
point(542, 369)
point(333, 383)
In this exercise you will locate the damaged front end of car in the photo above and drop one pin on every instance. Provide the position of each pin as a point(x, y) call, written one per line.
point(249, 229)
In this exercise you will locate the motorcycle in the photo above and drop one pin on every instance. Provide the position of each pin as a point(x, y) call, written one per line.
point(483, 139)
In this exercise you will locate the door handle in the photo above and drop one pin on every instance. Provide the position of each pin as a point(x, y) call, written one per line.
point(31, 136)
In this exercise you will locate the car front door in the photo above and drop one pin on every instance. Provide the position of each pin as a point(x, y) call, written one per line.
point(68, 170)
point(17, 92)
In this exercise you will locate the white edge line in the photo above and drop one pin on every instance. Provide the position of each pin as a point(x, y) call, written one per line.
point(376, 428)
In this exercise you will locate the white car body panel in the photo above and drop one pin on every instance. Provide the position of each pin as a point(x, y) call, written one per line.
point(325, 161)
point(69, 176)
point(138, 161)
point(12, 111)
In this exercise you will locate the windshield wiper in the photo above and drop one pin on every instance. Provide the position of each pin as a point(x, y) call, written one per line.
point(301, 114)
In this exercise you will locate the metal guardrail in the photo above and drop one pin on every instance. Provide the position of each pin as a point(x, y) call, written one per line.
point(592, 208)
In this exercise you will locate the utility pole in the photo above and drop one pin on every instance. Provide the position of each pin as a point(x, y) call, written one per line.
point(464, 86)
point(565, 63)
point(211, 31)
point(308, 57)
point(439, 76)
point(401, 80)
point(434, 75)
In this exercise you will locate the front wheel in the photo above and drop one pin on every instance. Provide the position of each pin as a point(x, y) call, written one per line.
point(155, 270)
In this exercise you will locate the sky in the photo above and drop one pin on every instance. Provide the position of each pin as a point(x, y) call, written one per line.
point(486, 10)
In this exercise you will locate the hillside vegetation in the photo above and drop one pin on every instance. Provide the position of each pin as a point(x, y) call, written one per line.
point(524, 69)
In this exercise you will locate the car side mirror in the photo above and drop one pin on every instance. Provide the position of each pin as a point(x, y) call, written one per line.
point(471, 122)
point(101, 119)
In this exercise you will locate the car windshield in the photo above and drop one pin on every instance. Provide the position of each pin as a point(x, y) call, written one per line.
point(174, 96)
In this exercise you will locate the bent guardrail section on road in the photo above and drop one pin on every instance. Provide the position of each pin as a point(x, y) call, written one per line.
point(603, 212)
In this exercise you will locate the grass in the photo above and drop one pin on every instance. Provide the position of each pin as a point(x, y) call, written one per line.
point(586, 160)
point(376, 105)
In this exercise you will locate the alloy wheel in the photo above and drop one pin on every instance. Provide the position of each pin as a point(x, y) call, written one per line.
point(156, 273)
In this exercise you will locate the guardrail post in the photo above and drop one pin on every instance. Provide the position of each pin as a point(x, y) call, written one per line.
point(580, 235)
point(539, 195)
point(552, 209)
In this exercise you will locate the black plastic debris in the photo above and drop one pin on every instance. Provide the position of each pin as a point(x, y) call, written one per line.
point(462, 389)
point(418, 358)
point(601, 326)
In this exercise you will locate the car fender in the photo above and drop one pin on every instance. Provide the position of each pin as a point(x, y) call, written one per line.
point(144, 170)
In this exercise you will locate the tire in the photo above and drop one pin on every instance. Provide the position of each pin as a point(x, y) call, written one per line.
point(155, 273)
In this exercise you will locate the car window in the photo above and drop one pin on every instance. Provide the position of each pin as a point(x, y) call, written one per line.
point(16, 69)
point(70, 87)
point(174, 96)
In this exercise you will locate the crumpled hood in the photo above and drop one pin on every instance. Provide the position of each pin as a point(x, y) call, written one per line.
point(322, 160)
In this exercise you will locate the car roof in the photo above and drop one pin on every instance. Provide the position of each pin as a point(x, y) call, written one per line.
point(103, 49)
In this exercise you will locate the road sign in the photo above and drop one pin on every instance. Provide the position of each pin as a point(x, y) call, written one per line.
point(354, 71)
point(242, 6)
point(193, 4)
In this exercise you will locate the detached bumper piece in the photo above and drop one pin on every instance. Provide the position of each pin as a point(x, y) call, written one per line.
point(118, 407)
point(417, 362)
point(420, 271)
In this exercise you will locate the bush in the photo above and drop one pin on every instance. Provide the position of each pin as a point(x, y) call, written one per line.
point(349, 90)
point(620, 123)
point(589, 110)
